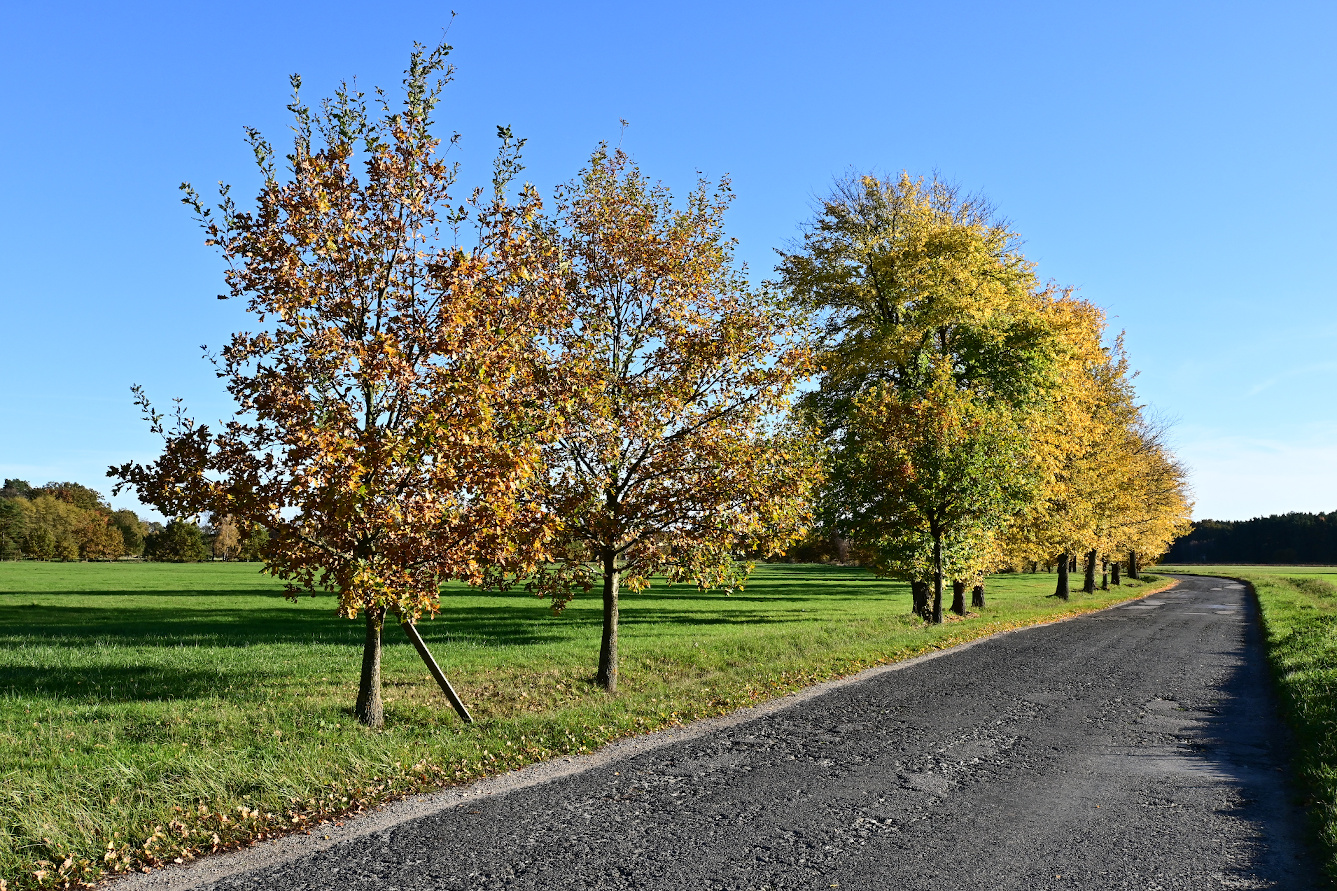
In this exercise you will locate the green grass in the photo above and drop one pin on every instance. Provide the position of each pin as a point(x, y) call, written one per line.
point(151, 712)
point(1299, 613)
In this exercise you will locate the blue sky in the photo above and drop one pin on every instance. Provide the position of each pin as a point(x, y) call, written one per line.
point(1175, 161)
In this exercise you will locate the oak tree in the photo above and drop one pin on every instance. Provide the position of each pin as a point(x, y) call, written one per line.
point(393, 395)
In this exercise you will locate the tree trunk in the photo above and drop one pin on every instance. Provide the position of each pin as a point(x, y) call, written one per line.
point(959, 597)
point(1114, 573)
point(369, 709)
point(937, 578)
point(977, 597)
point(1132, 567)
point(1104, 581)
point(1089, 580)
point(1062, 589)
point(607, 676)
point(919, 593)
point(1072, 567)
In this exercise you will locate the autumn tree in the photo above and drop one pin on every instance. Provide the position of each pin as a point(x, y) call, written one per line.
point(390, 400)
point(226, 539)
point(920, 287)
point(911, 277)
point(1065, 446)
point(1153, 495)
point(941, 466)
point(674, 458)
point(1107, 476)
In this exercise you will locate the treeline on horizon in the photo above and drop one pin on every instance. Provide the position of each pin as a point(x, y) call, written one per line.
point(1293, 537)
point(67, 521)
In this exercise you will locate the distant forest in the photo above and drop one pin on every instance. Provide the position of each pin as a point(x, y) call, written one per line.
point(1281, 538)
point(68, 521)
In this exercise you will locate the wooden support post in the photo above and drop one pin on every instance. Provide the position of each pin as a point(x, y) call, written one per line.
point(421, 647)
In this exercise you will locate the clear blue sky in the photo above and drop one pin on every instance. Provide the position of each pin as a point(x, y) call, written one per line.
point(1173, 160)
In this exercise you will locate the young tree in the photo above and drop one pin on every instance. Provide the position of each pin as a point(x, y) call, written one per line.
point(935, 467)
point(227, 539)
point(391, 400)
point(673, 459)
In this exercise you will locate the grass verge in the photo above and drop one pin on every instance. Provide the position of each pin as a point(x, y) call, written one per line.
point(152, 713)
point(1298, 605)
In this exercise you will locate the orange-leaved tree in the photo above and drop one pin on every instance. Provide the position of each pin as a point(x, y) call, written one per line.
point(394, 395)
point(675, 457)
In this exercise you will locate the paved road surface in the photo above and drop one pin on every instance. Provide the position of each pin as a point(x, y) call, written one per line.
point(1135, 748)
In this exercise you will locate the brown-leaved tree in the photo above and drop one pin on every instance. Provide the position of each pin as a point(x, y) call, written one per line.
point(390, 402)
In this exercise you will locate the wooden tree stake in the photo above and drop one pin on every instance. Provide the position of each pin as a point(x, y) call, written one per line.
point(421, 647)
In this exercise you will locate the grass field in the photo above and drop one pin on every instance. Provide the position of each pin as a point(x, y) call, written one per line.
point(1299, 611)
point(152, 712)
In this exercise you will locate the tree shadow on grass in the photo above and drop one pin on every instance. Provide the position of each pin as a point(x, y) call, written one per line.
point(467, 617)
point(216, 626)
point(126, 683)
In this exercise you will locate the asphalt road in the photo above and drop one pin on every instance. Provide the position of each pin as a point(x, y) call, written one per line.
point(1134, 748)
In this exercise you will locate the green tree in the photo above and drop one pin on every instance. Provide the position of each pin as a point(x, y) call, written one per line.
point(181, 541)
point(16, 489)
point(253, 546)
point(13, 525)
point(938, 468)
point(132, 531)
point(39, 543)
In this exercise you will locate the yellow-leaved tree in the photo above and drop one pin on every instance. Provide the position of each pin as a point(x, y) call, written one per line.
point(941, 466)
point(925, 295)
point(675, 456)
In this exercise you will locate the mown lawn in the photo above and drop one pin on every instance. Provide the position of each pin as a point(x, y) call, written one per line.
point(1299, 612)
point(150, 712)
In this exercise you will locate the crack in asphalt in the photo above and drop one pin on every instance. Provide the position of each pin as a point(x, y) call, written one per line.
point(1138, 748)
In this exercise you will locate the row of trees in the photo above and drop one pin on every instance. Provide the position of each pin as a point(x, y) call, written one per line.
point(581, 397)
point(486, 391)
point(975, 419)
point(69, 521)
